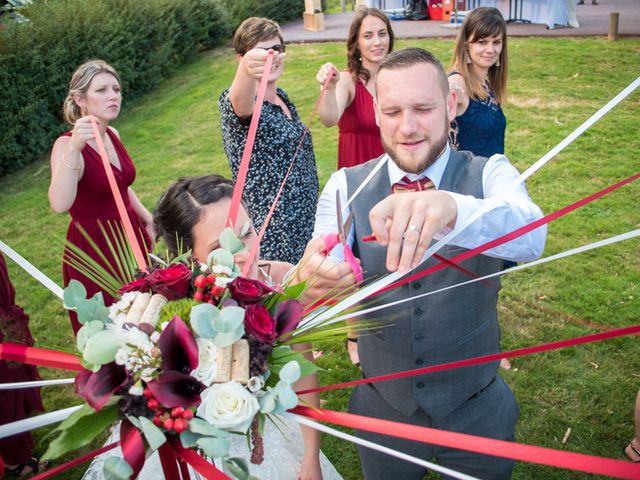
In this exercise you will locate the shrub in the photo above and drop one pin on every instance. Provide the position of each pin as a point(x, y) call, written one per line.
point(143, 39)
point(279, 10)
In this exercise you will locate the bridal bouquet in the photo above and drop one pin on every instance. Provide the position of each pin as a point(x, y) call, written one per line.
point(190, 351)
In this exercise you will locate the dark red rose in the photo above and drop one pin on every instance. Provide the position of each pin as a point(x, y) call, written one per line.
point(259, 323)
point(139, 285)
point(173, 282)
point(245, 291)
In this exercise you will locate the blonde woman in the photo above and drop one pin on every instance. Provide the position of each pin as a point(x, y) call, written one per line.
point(79, 183)
point(478, 73)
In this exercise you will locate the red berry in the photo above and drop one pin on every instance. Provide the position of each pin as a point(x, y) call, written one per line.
point(200, 281)
point(177, 411)
point(215, 290)
point(211, 279)
point(198, 295)
point(147, 393)
point(180, 425)
point(168, 424)
point(152, 404)
point(187, 414)
point(157, 422)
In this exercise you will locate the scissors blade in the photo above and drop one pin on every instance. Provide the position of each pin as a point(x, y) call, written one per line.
point(339, 215)
point(347, 227)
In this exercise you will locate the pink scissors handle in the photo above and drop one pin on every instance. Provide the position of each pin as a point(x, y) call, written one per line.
point(330, 241)
point(350, 258)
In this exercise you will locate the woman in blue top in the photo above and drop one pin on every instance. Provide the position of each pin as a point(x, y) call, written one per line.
point(478, 73)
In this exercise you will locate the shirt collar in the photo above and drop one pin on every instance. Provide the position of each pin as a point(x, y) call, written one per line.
point(434, 171)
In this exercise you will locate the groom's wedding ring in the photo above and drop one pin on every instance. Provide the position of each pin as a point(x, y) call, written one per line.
point(414, 228)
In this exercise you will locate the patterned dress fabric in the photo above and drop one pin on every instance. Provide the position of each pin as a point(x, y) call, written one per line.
point(276, 142)
point(480, 129)
point(359, 137)
point(21, 403)
point(94, 207)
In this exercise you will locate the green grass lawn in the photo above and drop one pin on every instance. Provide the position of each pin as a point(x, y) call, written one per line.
point(555, 85)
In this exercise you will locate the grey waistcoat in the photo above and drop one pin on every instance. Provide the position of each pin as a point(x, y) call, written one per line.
point(452, 325)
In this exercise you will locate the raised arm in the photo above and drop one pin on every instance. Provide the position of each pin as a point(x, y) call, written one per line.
point(456, 83)
point(338, 96)
point(248, 74)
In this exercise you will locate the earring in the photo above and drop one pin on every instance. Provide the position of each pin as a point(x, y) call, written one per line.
point(83, 111)
point(467, 58)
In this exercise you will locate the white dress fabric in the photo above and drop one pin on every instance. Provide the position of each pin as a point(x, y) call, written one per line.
point(282, 456)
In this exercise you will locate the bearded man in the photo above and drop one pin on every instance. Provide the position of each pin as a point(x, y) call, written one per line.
point(416, 192)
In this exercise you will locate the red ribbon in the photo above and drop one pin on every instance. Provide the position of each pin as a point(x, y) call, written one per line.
point(254, 251)
point(76, 461)
point(124, 216)
point(483, 445)
point(596, 337)
point(169, 461)
point(196, 461)
point(132, 446)
point(248, 146)
point(511, 235)
point(39, 356)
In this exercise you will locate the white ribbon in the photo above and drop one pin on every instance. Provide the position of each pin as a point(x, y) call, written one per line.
point(568, 253)
point(32, 423)
point(379, 448)
point(39, 383)
point(31, 270)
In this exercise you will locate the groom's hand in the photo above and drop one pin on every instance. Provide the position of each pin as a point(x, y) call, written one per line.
point(324, 277)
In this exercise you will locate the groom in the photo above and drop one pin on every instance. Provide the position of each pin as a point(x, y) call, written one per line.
point(424, 189)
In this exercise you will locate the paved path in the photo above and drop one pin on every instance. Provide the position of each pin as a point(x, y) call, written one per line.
point(593, 19)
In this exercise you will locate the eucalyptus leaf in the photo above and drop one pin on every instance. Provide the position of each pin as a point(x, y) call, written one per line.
point(224, 339)
point(214, 447)
point(81, 432)
point(188, 439)
point(153, 434)
point(202, 427)
point(220, 256)
point(87, 330)
point(267, 403)
point(229, 320)
point(92, 309)
point(237, 467)
point(135, 422)
point(202, 318)
point(230, 241)
point(287, 398)
point(74, 292)
point(116, 468)
point(101, 348)
point(290, 373)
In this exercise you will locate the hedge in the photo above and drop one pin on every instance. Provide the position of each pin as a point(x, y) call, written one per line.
point(143, 39)
point(279, 10)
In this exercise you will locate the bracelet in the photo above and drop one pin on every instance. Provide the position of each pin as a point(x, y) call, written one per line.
point(75, 169)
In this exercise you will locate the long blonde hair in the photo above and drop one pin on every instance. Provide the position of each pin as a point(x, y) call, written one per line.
point(80, 81)
point(481, 23)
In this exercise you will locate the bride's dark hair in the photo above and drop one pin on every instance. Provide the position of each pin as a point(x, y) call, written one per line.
point(181, 206)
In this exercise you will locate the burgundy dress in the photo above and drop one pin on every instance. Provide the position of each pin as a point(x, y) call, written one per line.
point(16, 404)
point(359, 137)
point(94, 206)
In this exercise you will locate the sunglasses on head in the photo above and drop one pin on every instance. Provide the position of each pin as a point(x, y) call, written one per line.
point(278, 47)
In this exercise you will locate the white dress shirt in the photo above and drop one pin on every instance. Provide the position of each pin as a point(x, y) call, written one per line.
point(506, 202)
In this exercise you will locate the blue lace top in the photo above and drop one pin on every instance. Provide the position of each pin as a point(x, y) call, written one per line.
point(480, 129)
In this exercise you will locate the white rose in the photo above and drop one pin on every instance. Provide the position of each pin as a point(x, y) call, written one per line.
point(207, 354)
point(228, 406)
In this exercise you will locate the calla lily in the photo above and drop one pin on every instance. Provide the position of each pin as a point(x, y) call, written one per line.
point(288, 315)
point(173, 389)
point(97, 388)
point(179, 350)
point(178, 347)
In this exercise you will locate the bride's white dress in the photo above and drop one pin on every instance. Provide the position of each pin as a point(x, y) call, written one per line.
point(282, 455)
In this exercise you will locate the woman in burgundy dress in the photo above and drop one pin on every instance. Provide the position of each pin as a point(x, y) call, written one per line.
point(348, 100)
point(79, 183)
point(21, 403)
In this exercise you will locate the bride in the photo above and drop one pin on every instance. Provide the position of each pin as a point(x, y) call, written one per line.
point(192, 213)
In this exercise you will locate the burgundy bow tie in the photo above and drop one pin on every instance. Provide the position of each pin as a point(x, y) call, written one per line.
point(419, 185)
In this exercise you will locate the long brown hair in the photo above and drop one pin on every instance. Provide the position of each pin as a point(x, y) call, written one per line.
point(354, 62)
point(481, 23)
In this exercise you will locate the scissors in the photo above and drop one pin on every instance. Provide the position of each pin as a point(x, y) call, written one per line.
point(334, 238)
